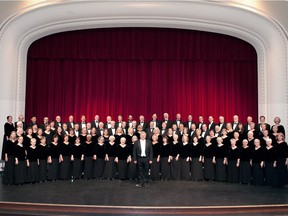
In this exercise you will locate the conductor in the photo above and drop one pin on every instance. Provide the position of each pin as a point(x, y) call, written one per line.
point(143, 155)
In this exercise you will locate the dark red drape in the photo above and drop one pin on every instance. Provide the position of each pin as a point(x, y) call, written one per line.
point(141, 71)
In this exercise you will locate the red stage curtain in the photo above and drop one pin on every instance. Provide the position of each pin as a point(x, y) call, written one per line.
point(141, 71)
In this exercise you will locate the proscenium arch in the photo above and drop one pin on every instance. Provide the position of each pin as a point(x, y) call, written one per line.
point(22, 29)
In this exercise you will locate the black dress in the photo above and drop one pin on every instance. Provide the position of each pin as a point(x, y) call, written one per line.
point(233, 156)
point(77, 151)
point(32, 174)
point(208, 154)
point(122, 152)
point(88, 160)
point(196, 163)
point(49, 137)
point(155, 166)
point(185, 153)
point(220, 167)
point(8, 128)
point(165, 151)
point(175, 165)
point(42, 168)
point(282, 154)
point(245, 166)
point(65, 165)
point(132, 167)
point(99, 163)
point(270, 171)
point(110, 166)
point(20, 168)
point(8, 177)
point(257, 170)
point(53, 168)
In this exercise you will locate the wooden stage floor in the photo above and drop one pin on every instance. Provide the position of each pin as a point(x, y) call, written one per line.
point(113, 197)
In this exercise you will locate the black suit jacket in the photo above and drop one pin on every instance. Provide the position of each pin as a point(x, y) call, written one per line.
point(148, 150)
point(223, 125)
point(93, 124)
point(212, 127)
point(158, 124)
point(69, 125)
point(175, 122)
point(186, 124)
point(169, 123)
point(144, 125)
point(58, 124)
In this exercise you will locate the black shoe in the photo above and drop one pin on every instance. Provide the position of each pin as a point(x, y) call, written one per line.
point(145, 185)
point(138, 185)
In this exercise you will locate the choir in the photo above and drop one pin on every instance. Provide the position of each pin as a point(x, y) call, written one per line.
point(226, 152)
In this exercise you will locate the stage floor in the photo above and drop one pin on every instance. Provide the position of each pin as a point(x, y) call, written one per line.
point(124, 194)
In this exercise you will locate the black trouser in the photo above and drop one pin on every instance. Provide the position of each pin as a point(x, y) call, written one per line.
point(143, 169)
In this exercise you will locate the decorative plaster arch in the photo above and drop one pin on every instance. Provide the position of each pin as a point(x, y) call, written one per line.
point(39, 20)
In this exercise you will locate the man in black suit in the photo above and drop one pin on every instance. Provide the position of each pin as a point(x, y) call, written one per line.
point(21, 119)
point(58, 122)
point(262, 122)
point(211, 124)
point(142, 122)
point(235, 122)
point(247, 126)
point(150, 129)
point(96, 121)
point(178, 120)
point(222, 123)
point(82, 124)
point(45, 123)
point(70, 123)
point(33, 121)
point(167, 121)
point(201, 122)
point(156, 122)
point(189, 122)
point(143, 155)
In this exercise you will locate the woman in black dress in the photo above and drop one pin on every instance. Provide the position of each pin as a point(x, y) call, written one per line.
point(122, 159)
point(225, 138)
point(170, 135)
point(155, 166)
point(220, 160)
point(49, 135)
point(20, 166)
point(270, 159)
point(129, 136)
point(282, 160)
point(175, 158)
point(258, 163)
point(237, 139)
point(264, 138)
point(207, 159)
point(77, 158)
point(105, 135)
point(65, 159)
point(53, 159)
point(88, 157)
point(280, 128)
point(132, 167)
point(28, 137)
point(39, 136)
point(245, 163)
point(110, 166)
point(185, 154)
point(118, 135)
point(32, 161)
point(94, 135)
point(196, 160)
point(165, 153)
point(100, 154)
point(8, 128)
point(233, 160)
point(42, 154)
point(8, 177)
point(72, 137)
